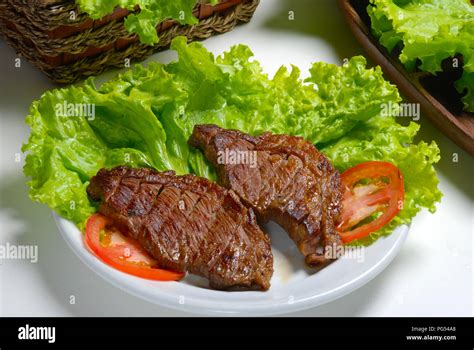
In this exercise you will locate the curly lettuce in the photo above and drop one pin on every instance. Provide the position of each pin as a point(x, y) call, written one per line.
point(145, 116)
point(152, 12)
point(429, 31)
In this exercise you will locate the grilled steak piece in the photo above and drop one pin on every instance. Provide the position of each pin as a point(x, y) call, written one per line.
point(188, 224)
point(284, 178)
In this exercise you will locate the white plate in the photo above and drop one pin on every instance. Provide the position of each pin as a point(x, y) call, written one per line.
point(294, 287)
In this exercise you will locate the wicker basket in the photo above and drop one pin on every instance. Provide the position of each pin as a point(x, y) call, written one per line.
point(68, 45)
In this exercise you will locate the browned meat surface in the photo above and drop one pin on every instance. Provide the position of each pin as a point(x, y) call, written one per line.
point(284, 178)
point(188, 224)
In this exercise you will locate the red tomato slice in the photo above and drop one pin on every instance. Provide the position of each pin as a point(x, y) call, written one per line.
point(123, 253)
point(369, 188)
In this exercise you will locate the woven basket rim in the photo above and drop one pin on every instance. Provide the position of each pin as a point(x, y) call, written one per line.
point(51, 16)
point(69, 73)
point(83, 38)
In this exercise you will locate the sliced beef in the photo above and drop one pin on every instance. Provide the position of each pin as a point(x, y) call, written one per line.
point(284, 178)
point(187, 224)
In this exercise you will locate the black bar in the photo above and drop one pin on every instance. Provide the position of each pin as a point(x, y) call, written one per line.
point(342, 331)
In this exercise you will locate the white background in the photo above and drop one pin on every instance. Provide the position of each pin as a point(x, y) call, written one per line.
point(432, 276)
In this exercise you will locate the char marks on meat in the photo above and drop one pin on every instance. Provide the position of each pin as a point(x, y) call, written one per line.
point(284, 178)
point(188, 224)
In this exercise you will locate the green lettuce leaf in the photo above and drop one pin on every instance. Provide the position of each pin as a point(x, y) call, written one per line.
point(145, 116)
point(152, 12)
point(429, 31)
point(466, 85)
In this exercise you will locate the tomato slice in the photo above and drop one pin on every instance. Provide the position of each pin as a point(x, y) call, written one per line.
point(371, 189)
point(123, 253)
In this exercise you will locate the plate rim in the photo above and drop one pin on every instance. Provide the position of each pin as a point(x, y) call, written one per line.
point(197, 306)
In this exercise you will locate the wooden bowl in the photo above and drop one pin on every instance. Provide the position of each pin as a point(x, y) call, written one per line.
point(437, 97)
